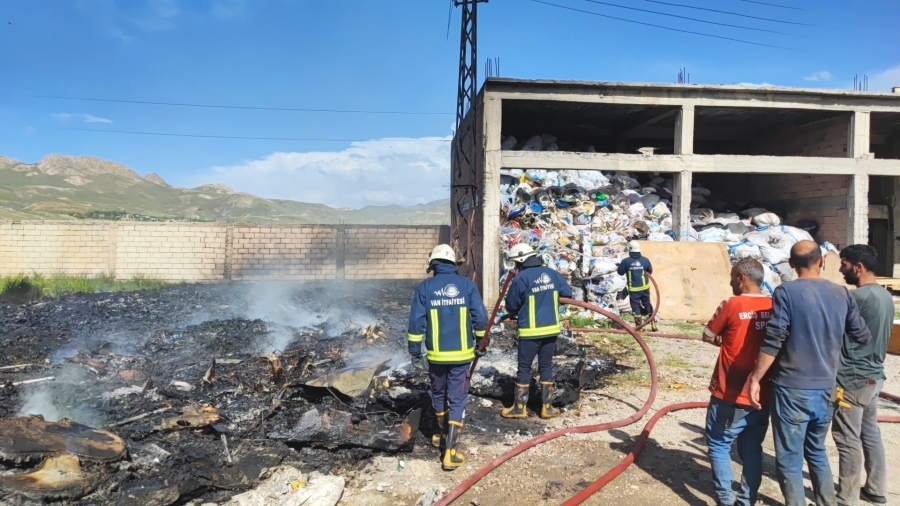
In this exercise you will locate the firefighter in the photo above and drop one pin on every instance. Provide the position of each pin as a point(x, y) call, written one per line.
point(635, 268)
point(534, 294)
point(447, 315)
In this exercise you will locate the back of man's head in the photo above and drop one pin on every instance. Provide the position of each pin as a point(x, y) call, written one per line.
point(751, 269)
point(861, 254)
point(805, 255)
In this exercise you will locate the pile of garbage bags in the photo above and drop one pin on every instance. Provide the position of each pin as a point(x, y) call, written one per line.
point(581, 220)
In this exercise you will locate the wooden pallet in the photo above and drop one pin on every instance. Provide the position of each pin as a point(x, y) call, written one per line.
point(892, 284)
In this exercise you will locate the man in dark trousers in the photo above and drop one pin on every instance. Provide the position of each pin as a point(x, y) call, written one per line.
point(447, 314)
point(534, 294)
point(810, 316)
point(635, 268)
point(860, 377)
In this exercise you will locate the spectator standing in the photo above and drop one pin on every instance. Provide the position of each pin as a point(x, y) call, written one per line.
point(739, 328)
point(861, 377)
point(803, 342)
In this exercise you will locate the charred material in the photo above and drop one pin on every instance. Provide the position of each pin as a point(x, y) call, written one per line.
point(206, 389)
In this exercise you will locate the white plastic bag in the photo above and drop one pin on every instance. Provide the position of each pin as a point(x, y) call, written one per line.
point(533, 144)
point(766, 220)
point(508, 143)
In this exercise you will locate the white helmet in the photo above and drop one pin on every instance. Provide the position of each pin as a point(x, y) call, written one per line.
point(442, 252)
point(634, 247)
point(520, 252)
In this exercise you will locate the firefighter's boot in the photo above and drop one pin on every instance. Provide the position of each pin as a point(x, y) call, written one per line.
point(437, 440)
point(520, 399)
point(547, 409)
point(653, 326)
point(452, 457)
point(638, 320)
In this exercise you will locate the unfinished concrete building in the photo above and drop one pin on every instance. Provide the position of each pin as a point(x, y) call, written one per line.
point(829, 155)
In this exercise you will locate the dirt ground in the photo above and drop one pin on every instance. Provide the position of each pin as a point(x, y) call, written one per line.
point(673, 469)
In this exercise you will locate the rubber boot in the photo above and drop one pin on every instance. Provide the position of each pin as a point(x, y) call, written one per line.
point(452, 457)
point(653, 327)
point(547, 409)
point(520, 399)
point(638, 321)
point(437, 440)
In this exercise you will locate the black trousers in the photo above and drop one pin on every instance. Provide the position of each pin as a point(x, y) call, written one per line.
point(542, 348)
point(640, 303)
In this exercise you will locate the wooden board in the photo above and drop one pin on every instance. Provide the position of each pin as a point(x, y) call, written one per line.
point(894, 342)
point(892, 284)
point(693, 278)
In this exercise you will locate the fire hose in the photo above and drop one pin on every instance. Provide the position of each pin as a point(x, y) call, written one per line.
point(640, 443)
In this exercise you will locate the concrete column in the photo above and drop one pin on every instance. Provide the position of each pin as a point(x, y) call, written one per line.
point(858, 136)
point(858, 207)
point(490, 210)
point(681, 205)
point(684, 131)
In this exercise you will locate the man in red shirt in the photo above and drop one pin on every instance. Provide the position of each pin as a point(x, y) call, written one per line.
point(738, 328)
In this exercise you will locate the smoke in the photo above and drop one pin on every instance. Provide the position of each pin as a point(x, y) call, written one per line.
point(62, 398)
point(283, 307)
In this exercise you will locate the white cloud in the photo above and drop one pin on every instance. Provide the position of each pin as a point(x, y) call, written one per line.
point(89, 118)
point(403, 171)
point(885, 80)
point(823, 75)
point(62, 116)
point(228, 8)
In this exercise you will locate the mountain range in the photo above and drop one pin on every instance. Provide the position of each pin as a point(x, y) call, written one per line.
point(78, 187)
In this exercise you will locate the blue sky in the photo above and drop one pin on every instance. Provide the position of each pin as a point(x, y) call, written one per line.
point(368, 55)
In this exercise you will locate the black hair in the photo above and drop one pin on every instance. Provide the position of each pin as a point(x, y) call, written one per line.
point(807, 260)
point(861, 254)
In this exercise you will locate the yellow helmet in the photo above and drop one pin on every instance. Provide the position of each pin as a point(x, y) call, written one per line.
point(442, 252)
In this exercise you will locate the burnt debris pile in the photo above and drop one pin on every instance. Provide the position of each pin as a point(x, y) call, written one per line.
point(204, 392)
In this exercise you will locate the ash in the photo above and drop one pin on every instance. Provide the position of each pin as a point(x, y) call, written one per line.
point(315, 376)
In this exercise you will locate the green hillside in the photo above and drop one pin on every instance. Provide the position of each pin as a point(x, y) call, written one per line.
point(76, 187)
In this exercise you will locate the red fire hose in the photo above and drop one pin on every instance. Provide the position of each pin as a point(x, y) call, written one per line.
point(654, 385)
point(610, 475)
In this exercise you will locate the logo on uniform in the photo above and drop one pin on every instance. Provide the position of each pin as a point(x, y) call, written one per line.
point(543, 279)
point(450, 291)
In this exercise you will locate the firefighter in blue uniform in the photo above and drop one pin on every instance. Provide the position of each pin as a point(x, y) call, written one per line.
point(534, 294)
point(635, 268)
point(447, 314)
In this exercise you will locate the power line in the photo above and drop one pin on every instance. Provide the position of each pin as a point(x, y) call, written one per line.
point(663, 27)
point(241, 137)
point(772, 5)
point(243, 107)
point(694, 19)
point(729, 13)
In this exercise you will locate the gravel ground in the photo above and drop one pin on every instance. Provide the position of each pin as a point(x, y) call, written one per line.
point(673, 469)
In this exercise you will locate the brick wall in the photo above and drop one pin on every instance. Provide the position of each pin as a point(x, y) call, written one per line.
point(388, 252)
point(283, 252)
point(826, 138)
point(171, 251)
point(77, 248)
point(211, 252)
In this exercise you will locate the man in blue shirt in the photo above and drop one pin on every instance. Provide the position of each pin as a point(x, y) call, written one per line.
point(447, 314)
point(534, 294)
point(803, 348)
point(635, 268)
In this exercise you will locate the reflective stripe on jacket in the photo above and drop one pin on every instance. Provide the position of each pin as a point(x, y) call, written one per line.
point(635, 269)
point(446, 314)
point(534, 294)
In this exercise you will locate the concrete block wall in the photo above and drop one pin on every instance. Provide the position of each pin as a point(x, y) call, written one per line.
point(299, 253)
point(77, 248)
point(388, 252)
point(824, 139)
point(174, 252)
point(211, 252)
point(820, 198)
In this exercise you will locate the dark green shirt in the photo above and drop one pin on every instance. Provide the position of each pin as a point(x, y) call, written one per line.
point(861, 362)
